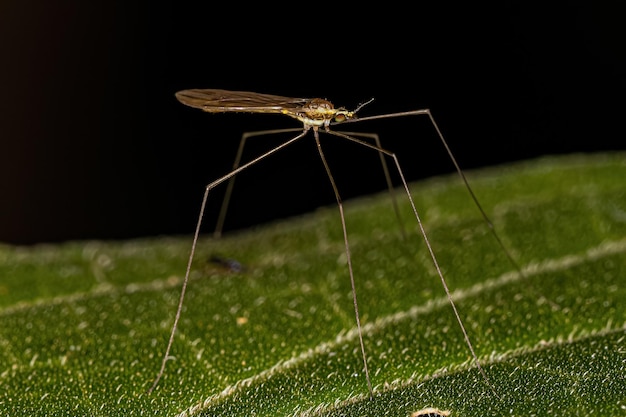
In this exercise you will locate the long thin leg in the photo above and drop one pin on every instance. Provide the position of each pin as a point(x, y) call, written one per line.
point(474, 198)
point(430, 249)
point(209, 187)
point(349, 258)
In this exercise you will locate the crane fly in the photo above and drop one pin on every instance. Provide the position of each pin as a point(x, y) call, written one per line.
point(311, 112)
point(314, 114)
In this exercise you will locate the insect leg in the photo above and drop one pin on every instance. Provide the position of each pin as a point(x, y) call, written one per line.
point(209, 187)
point(428, 245)
point(349, 259)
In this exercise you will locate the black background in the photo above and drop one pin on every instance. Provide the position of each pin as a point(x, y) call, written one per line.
point(95, 146)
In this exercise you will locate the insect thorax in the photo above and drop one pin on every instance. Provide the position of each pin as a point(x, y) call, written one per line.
point(320, 112)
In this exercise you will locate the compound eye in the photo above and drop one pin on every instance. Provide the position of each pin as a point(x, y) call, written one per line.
point(340, 118)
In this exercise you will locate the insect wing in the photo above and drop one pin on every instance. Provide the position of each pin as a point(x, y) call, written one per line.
point(220, 101)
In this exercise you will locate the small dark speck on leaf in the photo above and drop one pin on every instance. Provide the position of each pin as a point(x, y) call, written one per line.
point(231, 265)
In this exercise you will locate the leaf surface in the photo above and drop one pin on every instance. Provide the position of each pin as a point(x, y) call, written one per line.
point(84, 324)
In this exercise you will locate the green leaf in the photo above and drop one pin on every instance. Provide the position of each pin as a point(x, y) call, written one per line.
point(84, 324)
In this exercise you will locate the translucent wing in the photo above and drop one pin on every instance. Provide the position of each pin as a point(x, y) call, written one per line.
point(219, 101)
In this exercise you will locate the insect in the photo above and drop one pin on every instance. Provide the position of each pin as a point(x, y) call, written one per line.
point(316, 115)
